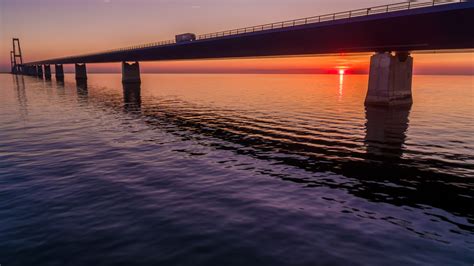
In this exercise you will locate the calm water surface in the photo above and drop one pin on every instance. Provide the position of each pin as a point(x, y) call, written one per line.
point(234, 170)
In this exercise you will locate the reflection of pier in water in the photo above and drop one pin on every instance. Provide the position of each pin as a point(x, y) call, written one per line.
point(60, 83)
point(82, 91)
point(19, 85)
point(386, 130)
point(410, 183)
point(132, 101)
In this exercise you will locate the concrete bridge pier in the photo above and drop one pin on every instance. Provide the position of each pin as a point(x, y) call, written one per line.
point(59, 71)
point(390, 79)
point(81, 71)
point(32, 71)
point(35, 71)
point(81, 84)
point(39, 71)
point(130, 72)
point(47, 71)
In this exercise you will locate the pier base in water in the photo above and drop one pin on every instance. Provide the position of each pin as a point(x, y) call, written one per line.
point(39, 71)
point(59, 71)
point(130, 72)
point(32, 71)
point(390, 79)
point(47, 71)
point(81, 71)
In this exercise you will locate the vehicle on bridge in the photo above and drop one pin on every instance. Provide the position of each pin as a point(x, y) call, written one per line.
point(185, 37)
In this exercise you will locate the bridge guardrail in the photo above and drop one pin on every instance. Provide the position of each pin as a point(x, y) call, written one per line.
point(412, 4)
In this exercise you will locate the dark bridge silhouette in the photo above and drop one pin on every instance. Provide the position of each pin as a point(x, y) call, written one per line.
point(391, 31)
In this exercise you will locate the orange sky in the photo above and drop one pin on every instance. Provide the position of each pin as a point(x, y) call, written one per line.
point(55, 28)
point(447, 64)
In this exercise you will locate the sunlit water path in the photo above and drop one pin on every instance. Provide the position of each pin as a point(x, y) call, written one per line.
point(235, 170)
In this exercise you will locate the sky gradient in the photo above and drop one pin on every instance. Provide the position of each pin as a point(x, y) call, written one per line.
point(55, 28)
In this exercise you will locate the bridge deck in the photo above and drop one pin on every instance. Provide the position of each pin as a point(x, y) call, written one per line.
point(407, 26)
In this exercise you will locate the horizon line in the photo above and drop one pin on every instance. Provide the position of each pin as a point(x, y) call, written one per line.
point(261, 73)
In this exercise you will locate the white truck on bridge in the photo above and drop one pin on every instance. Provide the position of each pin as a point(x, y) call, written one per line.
point(185, 37)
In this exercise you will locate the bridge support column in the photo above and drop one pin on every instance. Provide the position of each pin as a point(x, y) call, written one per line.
point(47, 71)
point(59, 71)
point(130, 72)
point(32, 71)
point(39, 71)
point(81, 72)
point(390, 79)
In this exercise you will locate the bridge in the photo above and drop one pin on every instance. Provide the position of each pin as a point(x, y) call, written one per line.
point(391, 32)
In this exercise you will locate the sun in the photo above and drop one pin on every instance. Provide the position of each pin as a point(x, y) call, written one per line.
point(341, 71)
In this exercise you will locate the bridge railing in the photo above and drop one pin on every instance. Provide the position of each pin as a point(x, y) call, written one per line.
point(330, 17)
point(293, 23)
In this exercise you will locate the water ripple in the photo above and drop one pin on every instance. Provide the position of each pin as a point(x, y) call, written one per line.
point(268, 170)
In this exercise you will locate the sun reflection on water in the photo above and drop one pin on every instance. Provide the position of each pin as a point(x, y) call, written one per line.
point(341, 83)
